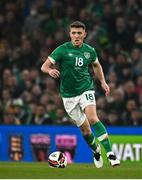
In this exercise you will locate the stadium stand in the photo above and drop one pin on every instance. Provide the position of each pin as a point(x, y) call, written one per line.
point(30, 30)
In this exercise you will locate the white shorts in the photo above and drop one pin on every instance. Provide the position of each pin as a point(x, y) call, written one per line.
point(75, 106)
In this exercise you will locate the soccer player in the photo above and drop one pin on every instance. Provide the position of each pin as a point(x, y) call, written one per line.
point(77, 88)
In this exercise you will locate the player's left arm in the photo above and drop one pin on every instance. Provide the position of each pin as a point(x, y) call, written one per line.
point(98, 70)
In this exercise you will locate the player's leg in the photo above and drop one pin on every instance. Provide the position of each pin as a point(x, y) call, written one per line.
point(101, 133)
point(90, 139)
point(88, 134)
point(88, 104)
point(78, 117)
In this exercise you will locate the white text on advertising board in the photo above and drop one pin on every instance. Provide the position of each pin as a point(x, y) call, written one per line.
point(132, 152)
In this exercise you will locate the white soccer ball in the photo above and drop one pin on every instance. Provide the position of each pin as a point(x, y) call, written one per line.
point(57, 159)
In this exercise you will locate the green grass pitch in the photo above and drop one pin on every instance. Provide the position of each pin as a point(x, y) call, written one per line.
point(22, 170)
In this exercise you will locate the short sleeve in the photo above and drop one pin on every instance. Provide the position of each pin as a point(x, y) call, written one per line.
point(94, 55)
point(56, 55)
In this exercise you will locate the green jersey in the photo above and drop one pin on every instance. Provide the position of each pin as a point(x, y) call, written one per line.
point(73, 65)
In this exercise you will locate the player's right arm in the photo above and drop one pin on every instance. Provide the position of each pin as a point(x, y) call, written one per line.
point(54, 57)
point(47, 68)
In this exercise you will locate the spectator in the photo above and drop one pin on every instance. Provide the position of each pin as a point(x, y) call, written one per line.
point(32, 22)
point(136, 58)
point(136, 118)
point(20, 111)
point(40, 116)
point(130, 106)
point(61, 117)
point(129, 91)
point(29, 34)
point(114, 118)
point(139, 85)
point(118, 103)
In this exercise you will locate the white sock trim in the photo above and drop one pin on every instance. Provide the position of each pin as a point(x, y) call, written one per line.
point(92, 141)
point(102, 137)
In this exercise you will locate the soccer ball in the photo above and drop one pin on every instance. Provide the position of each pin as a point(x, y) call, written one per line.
point(57, 160)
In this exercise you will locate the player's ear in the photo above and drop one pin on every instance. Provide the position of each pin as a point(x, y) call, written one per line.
point(85, 34)
point(70, 33)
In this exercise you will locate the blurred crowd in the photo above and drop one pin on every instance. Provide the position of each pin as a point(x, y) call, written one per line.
point(31, 29)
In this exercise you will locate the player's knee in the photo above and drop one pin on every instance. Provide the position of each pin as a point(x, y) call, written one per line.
point(93, 120)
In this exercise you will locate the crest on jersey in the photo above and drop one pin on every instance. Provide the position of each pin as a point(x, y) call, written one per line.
point(87, 55)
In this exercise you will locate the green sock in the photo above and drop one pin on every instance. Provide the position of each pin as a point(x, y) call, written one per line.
point(90, 139)
point(102, 135)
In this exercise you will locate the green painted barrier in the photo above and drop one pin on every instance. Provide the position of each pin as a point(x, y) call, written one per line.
point(126, 147)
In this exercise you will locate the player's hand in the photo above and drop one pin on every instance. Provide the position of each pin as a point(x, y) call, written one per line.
point(54, 73)
point(106, 88)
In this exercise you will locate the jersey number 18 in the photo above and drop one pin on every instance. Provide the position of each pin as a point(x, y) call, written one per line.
point(78, 61)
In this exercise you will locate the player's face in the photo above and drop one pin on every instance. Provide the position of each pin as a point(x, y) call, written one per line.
point(77, 36)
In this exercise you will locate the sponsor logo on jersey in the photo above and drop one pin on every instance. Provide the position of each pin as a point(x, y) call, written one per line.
point(70, 54)
point(87, 55)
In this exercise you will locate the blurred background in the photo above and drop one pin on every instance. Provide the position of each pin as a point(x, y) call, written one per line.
point(33, 122)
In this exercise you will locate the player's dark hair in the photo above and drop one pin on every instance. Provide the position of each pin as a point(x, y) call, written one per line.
point(77, 24)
